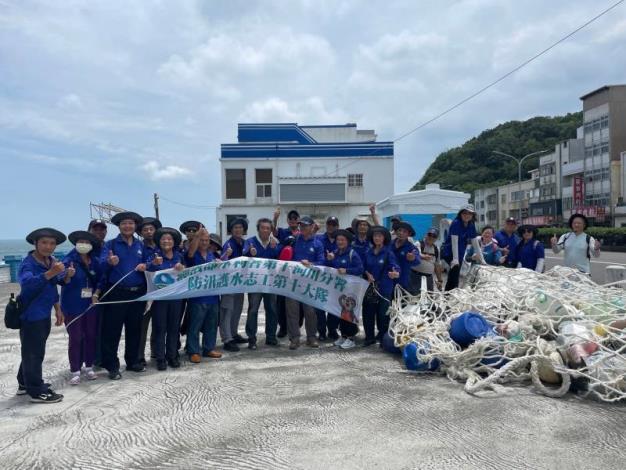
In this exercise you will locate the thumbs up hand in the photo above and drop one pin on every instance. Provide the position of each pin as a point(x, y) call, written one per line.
point(56, 268)
point(253, 251)
point(554, 240)
point(393, 274)
point(71, 271)
point(330, 256)
point(113, 260)
point(410, 256)
point(229, 251)
point(158, 260)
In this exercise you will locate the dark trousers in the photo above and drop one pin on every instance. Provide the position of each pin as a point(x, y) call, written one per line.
point(98, 353)
point(145, 324)
point(321, 322)
point(417, 279)
point(347, 328)
point(33, 337)
point(375, 315)
point(281, 312)
point(116, 316)
point(166, 326)
point(252, 322)
point(453, 278)
point(332, 323)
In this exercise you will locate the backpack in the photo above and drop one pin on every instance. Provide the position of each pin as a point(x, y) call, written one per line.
point(588, 238)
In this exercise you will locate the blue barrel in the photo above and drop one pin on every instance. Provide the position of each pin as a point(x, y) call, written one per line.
point(14, 262)
point(409, 354)
point(468, 327)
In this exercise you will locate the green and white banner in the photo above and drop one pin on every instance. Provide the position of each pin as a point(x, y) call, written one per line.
point(319, 286)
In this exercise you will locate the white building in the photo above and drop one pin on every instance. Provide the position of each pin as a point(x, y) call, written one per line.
point(486, 202)
point(318, 170)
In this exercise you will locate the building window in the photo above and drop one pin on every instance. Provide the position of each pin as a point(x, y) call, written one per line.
point(355, 180)
point(235, 184)
point(231, 217)
point(263, 182)
point(503, 199)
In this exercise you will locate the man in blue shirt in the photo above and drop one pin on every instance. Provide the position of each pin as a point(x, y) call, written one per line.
point(232, 304)
point(508, 239)
point(293, 221)
point(406, 253)
point(38, 276)
point(262, 246)
point(123, 260)
point(98, 228)
point(310, 252)
point(328, 321)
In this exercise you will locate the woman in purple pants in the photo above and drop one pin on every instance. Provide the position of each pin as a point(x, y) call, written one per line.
point(82, 273)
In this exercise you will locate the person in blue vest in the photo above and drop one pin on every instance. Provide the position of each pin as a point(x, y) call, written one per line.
point(508, 239)
point(146, 231)
point(293, 225)
point(166, 313)
point(328, 321)
point(123, 259)
point(263, 245)
point(346, 261)
point(381, 271)
point(231, 305)
point(189, 229)
point(80, 283)
point(530, 252)
point(98, 228)
point(38, 276)
point(309, 251)
point(462, 232)
point(407, 254)
point(203, 311)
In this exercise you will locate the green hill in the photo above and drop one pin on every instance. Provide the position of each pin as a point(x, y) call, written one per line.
point(472, 165)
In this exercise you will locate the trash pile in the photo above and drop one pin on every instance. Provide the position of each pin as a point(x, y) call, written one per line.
point(558, 330)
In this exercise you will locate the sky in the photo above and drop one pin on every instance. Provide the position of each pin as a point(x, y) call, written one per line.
point(112, 101)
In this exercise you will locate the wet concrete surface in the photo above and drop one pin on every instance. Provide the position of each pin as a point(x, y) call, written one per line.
point(308, 409)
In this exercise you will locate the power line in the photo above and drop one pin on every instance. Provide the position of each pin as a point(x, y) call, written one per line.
point(183, 204)
point(495, 82)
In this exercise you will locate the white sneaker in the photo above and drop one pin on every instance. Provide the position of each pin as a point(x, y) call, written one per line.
point(340, 341)
point(75, 380)
point(91, 375)
point(348, 344)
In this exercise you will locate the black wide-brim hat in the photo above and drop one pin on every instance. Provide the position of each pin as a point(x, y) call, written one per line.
point(83, 235)
point(574, 216)
point(178, 238)
point(406, 226)
point(239, 221)
point(344, 233)
point(357, 220)
point(216, 240)
point(45, 232)
point(156, 223)
point(118, 218)
point(379, 229)
point(190, 224)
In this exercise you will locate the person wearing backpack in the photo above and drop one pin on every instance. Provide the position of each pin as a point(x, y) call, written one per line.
point(346, 261)
point(83, 271)
point(577, 245)
point(430, 265)
point(38, 276)
point(529, 252)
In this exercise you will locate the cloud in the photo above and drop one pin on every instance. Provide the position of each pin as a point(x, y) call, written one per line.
point(157, 172)
point(309, 111)
point(70, 101)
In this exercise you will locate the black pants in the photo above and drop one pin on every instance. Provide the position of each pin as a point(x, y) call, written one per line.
point(347, 328)
point(145, 324)
point(33, 337)
point(375, 314)
point(326, 323)
point(166, 316)
point(281, 312)
point(116, 316)
point(453, 276)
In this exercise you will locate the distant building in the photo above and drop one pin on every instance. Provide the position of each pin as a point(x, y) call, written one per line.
point(319, 170)
point(486, 203)
point(604, 120)
point(422, 209)
point(620, 207)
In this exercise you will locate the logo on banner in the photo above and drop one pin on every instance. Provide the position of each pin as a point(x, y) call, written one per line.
point(162, 280)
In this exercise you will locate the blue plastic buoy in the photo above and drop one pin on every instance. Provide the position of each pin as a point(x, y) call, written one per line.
point(468, 327)
point(409, 354)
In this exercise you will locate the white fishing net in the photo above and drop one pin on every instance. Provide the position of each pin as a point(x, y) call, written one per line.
point(558, 331)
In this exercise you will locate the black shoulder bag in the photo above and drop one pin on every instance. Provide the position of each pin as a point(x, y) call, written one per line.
point(16, 307)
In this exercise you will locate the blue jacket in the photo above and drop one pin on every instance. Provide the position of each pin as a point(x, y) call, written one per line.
point(510, 242)
point(168, 263)
point(150, 251)
point(465, 234)
point(491, 253)
point(328, 244)
point(361, 247)
point(348, 260)
point(310, 249)
point(529, 253)
point(405, 265)
point(130, 256)
point(236, 247)
point(32, 280)
point(282, 233)
point(261, 252)
point(379, 265)
point(71, 301)
point(197, 260)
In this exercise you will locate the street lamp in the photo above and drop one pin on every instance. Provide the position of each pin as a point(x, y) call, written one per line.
point(519, 171)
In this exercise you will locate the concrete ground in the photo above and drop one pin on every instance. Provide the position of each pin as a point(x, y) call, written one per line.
point(274, 408)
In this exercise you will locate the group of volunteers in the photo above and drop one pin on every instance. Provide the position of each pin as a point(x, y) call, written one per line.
point(111, 271)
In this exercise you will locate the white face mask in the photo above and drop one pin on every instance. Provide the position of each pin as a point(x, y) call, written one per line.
point(83, 248)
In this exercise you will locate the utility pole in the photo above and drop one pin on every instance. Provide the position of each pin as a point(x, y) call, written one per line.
point(156, 205)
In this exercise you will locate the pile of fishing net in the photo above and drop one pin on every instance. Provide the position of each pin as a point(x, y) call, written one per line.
point(558, 330)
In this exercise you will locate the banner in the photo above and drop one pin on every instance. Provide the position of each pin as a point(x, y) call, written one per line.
point(578, 191)
point(319, 286)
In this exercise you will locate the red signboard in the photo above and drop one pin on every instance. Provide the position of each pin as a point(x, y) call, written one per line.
point(539, 220)
point(578, 190)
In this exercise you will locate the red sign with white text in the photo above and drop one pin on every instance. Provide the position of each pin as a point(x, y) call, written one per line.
point(578, 190)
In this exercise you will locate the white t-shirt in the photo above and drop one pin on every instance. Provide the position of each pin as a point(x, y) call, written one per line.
point(427, 266)
point(575, 248)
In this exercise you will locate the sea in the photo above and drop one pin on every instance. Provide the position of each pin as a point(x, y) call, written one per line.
point(21, 248)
